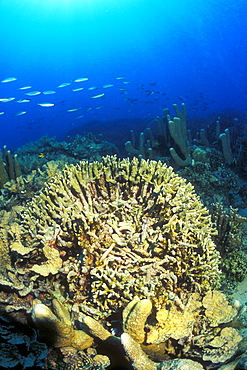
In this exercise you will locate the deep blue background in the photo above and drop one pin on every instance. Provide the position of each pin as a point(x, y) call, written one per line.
point(194, 50)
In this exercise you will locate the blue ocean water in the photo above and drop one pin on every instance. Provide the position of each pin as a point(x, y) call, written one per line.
point(131, 59)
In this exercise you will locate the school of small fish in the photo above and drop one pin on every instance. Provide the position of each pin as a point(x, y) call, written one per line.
point(84, 94)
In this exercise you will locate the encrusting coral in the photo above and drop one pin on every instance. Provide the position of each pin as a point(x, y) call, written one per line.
point(150, 336)
point(125, 346)
point(199, 325)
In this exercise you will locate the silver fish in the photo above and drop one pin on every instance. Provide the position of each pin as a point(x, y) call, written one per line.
point(33, 93)
point(6, 100)
point(73, 109)
point(46, 104)
point(65, 84)
point(49, 92)
point(20, 113)
point(78, 89)
point(107, 86)
point(25, 87)
point(81, 79)
point(23, 101)
point(97, 96)
point(9, 79)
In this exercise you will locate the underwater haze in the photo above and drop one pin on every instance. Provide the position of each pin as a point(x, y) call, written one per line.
point(64, 63)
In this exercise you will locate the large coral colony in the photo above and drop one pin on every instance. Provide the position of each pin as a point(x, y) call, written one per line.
point(118, 262)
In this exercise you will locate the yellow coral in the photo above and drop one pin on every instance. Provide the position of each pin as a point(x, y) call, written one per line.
point(124, 229)
point(184, 323)
point(135, 315)
point(52, 265)
point(175, 323)
point(223, 346)
point(57, 329)
point(218, 310)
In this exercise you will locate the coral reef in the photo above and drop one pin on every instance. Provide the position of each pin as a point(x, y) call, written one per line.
point(120, 236)
point(113, 231)
point(213, 181)
point(36, 162)
point(102, 234)
point(88, 360)
point(168, 130)
point(140, 360)
point(117, 262)
point(208, 145)
point(35, 154)
point(200, 329)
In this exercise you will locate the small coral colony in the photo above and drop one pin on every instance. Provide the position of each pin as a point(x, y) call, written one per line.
point(125, 260)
